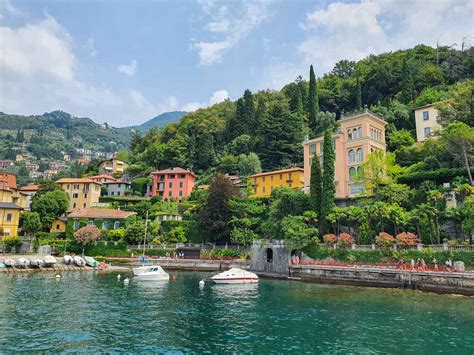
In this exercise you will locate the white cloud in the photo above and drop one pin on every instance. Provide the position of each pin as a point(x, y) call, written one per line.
point(211, 52)
point(218, 96)
point(6, 8)
point(276, 74)
point(89, 46)
point(232, 24)
point(355, 30)
point(192, 106)
point(128, 69)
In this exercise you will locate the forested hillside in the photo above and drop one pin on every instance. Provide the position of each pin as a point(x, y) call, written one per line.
point(264, 130)
point(160, 120)
point(48, 135)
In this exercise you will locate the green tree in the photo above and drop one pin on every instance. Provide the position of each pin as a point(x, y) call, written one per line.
point(358, 93)
point(329, 188)
point(324, 120)
point(135, 232)
point(214, 215)
point(313, 100)
point(460, 108)
point(458, 139)
point(248, 165)
point(30, 223)
point(49, 206)
point(407, 85)
point(297, 232)
point(400, 139)
point(316, 186)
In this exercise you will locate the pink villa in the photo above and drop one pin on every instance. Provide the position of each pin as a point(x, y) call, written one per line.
point(359, 134)
point(174, 183)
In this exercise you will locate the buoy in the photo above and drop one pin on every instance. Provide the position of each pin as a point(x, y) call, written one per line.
point(201, 283)
point(58, 276)
point(118, 277)
point(126, 281)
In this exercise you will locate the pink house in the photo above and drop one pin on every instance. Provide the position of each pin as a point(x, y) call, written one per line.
point(359, 135)
point(175, 183)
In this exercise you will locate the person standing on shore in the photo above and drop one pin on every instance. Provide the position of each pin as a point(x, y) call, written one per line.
point(412, 263)
point(435, 263)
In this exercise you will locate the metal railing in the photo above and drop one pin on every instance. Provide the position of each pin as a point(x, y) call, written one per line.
point(419, 247)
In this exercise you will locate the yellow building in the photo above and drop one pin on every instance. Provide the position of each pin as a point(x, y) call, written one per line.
point(426, 120)
point(83, 192)
point(58, 225)
point(12, 202)
point(112, 166)
point(264, 183)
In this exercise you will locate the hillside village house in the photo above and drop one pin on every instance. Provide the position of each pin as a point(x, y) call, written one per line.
point(29, 191)
point(83, 192)
point(102, 218)
point(12, 202)
point(176, 183)
point(264, 183)
point(359, 134)
point(112, 166)
point(58, 225)
point(6, 163)
point(426, 120)
point(118, 188)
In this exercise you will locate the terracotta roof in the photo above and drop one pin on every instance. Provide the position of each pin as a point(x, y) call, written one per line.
point(29, 188)
point(278, 172)
point(76, 181)
point(115, 182)
point(100, 213)
point(102, 177)
point(173, 171)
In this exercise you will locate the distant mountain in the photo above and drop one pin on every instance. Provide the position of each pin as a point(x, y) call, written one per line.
point(161, 120)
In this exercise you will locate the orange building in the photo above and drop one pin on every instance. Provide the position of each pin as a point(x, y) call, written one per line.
point(8, 180)
point(359, 134)
point(175, 183)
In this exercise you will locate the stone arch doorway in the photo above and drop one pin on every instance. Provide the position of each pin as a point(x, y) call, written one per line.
point(269, 254)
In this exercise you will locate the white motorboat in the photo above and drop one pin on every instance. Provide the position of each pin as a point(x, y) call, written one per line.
point(90, 261)
point(154, 273)
point(23, 262)
point(235, 276)
point(36, 262)
point(49, 260)
point(10, 262)
point(138, 270)
point(68, 259)
point(79, 261)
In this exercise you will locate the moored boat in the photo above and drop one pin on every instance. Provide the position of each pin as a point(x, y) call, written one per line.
point(68, 259)
point(23, 262)
point(90, 261)
point(49, 260)
point(154, 273)
point(36, 262)
point(235, 276)
point(10, 262)
point(79, 261)
point(138, 270)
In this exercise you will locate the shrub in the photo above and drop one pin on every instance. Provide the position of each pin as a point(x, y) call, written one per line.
point(330, 239)
point(223, 253)
point(87, 235)
point(344, 240)
point(11, 243)
point(384, 240)
point(405, 239)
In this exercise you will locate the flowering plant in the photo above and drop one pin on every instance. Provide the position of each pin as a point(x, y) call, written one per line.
point(405, 239)
point(330, 239)
point(384, 240)
point(344, 240)
point(87, 235)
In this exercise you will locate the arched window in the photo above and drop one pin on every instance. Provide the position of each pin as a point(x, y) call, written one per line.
point(349, 134)
point(360, 172)
point(352, 174)
point(360, 155)
point(354, 133)
point(269, 253)
point(351, 156)
point(359, 132)
point(116, 225)
point(90, 222)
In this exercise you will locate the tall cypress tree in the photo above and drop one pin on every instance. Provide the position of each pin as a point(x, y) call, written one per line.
point(249, 112)
point(313, 99)
point(408, 84)
point(359, 93)
point(316, 187)
point(329, 188)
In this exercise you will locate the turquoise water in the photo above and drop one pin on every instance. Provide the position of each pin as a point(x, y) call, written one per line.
point(94, 312)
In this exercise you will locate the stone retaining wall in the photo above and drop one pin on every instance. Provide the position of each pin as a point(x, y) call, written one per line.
point(440, 282)
point(201, 265)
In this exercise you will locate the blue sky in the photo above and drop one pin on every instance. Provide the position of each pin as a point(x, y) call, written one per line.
point(123, 62)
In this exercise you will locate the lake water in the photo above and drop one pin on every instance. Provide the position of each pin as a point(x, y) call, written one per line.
point(94, 312)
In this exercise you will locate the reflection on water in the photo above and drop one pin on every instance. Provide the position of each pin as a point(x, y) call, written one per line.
point(96, 312)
